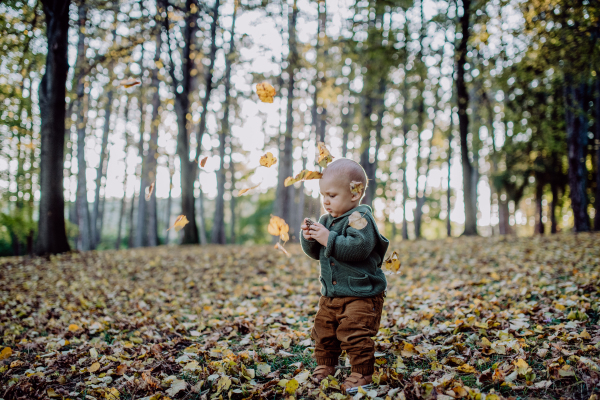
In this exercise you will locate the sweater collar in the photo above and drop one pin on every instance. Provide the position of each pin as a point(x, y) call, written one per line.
point(360, 208)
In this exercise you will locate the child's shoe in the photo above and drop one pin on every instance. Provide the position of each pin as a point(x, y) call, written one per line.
point(352, 383)
point(322, 372)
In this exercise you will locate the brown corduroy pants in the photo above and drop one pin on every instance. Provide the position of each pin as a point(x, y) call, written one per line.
point(347, 323)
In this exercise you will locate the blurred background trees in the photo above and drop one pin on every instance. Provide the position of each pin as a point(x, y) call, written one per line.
point(469, 117)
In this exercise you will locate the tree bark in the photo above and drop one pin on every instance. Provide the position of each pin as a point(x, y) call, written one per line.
point(169, 199)
point(182, 90)
point(101, 170)
point(597, 146)
point(448, 188)
point(553, 205)
point(539, 210)
point(463, 120)
point(577, 124)
point(218, 233)
point(284, 198)
point(52, 236)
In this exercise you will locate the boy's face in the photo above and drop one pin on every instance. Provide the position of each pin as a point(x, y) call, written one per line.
point(336, 195)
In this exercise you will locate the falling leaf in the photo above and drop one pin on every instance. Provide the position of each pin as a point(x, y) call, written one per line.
point(324, 156)
point(74, 328)
point(268, 160)
point(265, 92)
point(130, 82)
point(278, 246)
point(94, 367)
point(392, 263)
point(150, 190)
point(180, 222)
point(357, 187)
point(246, 190)
point(278, 227)
point(304, 175)
point(357, 221)
point(6, 352)
point(203, 162)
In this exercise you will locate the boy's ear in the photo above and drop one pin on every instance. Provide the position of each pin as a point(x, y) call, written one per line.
point(356, 196)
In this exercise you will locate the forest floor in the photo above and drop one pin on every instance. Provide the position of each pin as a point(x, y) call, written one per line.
point(474, 318)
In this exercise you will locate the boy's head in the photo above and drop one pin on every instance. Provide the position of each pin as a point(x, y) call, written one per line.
point(335, 186)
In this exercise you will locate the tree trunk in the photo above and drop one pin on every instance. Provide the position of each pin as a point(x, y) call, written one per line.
point(147, 232)
point(503, 215)
point(448, 188)
point(182, 90)
point(539, 210)
point(403, 165)
point(101, 170)
point(52, 236)
point(577, 124)
point(553, 205)
point(284, 198)
point(232, 200)
point(463, 120)
point(168, 211)
point(218, 233)
point(597, 146)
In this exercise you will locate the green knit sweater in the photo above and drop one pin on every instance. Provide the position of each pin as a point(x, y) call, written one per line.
point(351, 261)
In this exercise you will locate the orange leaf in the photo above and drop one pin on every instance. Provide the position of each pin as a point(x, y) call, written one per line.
point(130, 82)
point(203, 162)
point(246, 190)
point(150, 190)
point(267, 160)
point(121, 369)
point(277, 226)
point(6, 352)
point(180, 222)
point(152, 382)
point(265, 92)
point(304, 175)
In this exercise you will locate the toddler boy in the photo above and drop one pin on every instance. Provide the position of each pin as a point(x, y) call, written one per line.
point(352, 282)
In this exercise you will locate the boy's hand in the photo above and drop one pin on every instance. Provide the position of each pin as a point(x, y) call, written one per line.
point(319, 233)
point(306, 230)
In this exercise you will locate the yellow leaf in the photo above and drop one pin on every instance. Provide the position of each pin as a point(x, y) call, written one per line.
point(265, 92)
point(74, 328)
point(277, 226)
point(357, 187)
point(130, 82)
point(268, 160)
point(246, 190)
point(291, 386)
point(180, 222)
point(52, 393)
point(585, 335)
point(94, 367)
point(409, 350)
point(522, 366)
point(112, 394)
point(467, 369)
point(357, 221)
point(304, 175)
point(324, 156)
point(6, 352)
point(392, 263)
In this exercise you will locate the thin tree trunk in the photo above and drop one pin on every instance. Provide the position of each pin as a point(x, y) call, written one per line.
point(52, 237)
point(503, 215)
point(597, 146)
point(101, 170)
point(169, 199)
point(232, 200)
point(284, 199)
point(553, 205)
point(539, 210)
point(218, 233)
point(448, 188)
point(576, 123)
point(463, 119)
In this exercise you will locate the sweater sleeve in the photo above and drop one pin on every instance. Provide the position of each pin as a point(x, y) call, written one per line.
point(355, 246)
point(311, 247)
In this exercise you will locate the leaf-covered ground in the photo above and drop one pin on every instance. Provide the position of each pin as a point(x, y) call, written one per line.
point(467, 318)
